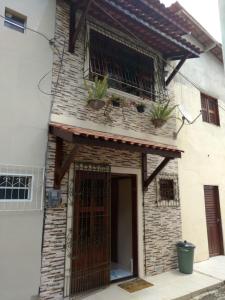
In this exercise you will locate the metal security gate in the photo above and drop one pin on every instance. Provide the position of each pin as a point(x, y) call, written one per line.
point(91, 228)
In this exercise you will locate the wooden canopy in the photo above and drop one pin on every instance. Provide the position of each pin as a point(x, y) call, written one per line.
point(148, 20)
point(197, 31)
point(80, 136)
point(98, 138)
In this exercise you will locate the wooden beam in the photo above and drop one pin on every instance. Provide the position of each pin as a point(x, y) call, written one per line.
point(144, 168)
point(72, 26)
point(61, 167)
point(151, 27)
point(174, 72)
point(58, 160)
point(74, 31)
point(156, 172)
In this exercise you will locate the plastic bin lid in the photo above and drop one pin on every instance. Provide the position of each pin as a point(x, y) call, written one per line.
point(185, 244)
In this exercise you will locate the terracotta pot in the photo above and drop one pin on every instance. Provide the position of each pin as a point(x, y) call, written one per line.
point(158, 122)
point(96, 104)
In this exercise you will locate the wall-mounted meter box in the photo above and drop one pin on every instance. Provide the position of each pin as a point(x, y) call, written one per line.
point(54, 198)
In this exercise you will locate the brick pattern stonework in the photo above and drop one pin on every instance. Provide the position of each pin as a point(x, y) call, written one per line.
point(162, 225)
point(71, 99)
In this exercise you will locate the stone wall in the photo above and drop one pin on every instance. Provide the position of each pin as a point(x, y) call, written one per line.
point(71, 96)
point(161, 231)
point(162, 225)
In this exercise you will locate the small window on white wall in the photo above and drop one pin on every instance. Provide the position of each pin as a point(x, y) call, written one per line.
point(15, 187)
point(15, 20)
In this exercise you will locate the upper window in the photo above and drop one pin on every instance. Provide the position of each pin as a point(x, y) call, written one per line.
point(15, 20)
point(15, 187)
point(128, 70)
point(210, 112)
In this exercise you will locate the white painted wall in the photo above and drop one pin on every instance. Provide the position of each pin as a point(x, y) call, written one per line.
point(222, 22)
point(24, 112)
point(204, 158)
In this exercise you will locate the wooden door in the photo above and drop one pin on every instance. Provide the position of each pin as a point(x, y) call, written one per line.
point(213, 219)
point(91, 231)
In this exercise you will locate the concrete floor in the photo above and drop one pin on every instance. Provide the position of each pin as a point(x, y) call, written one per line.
point(214, 267)
point(170, 285)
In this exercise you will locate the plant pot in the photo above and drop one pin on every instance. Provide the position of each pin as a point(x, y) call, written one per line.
point(140, 108)
point(115, 103)
point(96, 104)
point(158, 122)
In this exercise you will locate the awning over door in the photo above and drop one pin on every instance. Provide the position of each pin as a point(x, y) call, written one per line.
point(81, 136)
point(104, 139)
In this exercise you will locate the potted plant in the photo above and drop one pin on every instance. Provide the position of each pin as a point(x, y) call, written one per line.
point(116, 101)
point(160, 113)
point(140, 107)
point(97, 92)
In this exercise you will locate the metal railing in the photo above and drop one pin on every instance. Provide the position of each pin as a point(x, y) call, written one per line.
point(128, 70)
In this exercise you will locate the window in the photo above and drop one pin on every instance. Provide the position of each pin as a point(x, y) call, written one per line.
point(210, 112)
point(15, 20)
point(129, 71)
point(167, 190)
point(15, 188)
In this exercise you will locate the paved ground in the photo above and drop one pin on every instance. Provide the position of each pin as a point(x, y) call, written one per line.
point(174, 285)
point(214, 267)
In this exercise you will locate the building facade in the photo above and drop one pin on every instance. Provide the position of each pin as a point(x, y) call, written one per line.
point(201, 172)
point(26, 55)
point(117, 219)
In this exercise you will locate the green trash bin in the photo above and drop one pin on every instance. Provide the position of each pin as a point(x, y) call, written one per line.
point(185, 253)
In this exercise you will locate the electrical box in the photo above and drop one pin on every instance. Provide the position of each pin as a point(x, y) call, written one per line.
point(54, 198)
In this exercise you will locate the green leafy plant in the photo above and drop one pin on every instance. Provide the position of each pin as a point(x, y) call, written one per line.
point(98, 90)
point(140, 107)
point(161, 112)
point(116, 101)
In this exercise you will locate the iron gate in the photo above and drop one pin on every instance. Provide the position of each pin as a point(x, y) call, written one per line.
point(90, 261)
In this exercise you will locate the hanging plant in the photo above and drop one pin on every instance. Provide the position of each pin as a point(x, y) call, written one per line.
point(97, 93)
point(116, 101)
point(140, 107)
point(160, 113)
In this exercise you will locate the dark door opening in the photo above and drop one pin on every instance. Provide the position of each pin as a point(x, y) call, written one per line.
point(123, 227)
point(104, 247)
point(213, 220)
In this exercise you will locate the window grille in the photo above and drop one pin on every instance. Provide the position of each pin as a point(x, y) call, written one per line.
point(210, 111)
point(21, 188)
point(128, 70)
point(167, 190)
point(15, 187)
point(15, 20)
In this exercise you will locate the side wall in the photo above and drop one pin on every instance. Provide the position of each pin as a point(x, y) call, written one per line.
point(203, 144)
point(25, 58)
